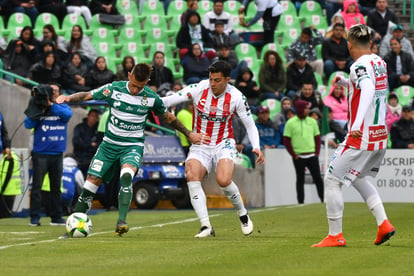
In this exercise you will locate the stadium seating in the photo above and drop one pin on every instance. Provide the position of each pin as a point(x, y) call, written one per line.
point(309, 8)
point(288, 7)
point(17, 21)
point(155, 21)
point(288, 24)
point(245, 49)
point(136, 50)
point(44, 19)
point(127, 7)
point(176, 7)
point(95, 24)
point(106, 50)
point(152, 7)
point(274, 106)
point(104, 35)
point(70, 20)
point(232, 6)
point(251, 10)
point(204, 7)
point(318, 21)
point(159, 37)
point(405, 94)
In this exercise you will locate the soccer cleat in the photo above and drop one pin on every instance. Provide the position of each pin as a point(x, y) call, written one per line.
point(34, 222)
point(58, 222)
point(64, 236)
point(385, 232)
point(332, 241)
point(121, 228)
point(205, 232)
point(246, 225)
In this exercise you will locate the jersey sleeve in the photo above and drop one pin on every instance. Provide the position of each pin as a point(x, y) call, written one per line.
point(181, 96)
point(102, 93)
point(159, 107)
point(243, 111)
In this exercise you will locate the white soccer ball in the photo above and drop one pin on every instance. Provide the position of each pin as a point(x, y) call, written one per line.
point(78, 225)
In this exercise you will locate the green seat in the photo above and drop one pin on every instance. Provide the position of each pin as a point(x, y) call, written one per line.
point(127, 7)
point(104, 35)
point(266, 47)
point(152, 7)
point(129, 34)
point(288, 7)
point(273, 105)
point(245, 50)
point(405, 93)
point(106, 50)
point(17, 21)
point(337, 73)
point(172, 65)
point(204, 7)
point(134, 49)
point(46, 18)
point(251, 10)
point(309, 8)
point(111, 64)
point(175, 24)
point(165, 48)
point(155, 21)
point(243, 160)
point(131, 20)
point(288, 28)
point(70, 20)
point(158, 36)
point(232, 6)
point(95, 24)
point(176, 7)
point(318, 21)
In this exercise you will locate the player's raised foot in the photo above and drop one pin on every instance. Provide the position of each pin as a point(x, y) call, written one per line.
point(205, 232)
point(332, 241)
point(385, 232)
point(121, 228)
point(246, 225)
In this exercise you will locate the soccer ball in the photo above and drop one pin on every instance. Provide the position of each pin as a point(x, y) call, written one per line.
point(78, 225)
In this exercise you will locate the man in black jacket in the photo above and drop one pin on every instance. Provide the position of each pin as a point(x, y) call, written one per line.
point(335, 52)
point(400, 66)
point(402, 131)
point(378, 19)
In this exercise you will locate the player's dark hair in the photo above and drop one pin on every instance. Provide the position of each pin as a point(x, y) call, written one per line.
point(220, 67)
point(359, 34)
point(142, 71)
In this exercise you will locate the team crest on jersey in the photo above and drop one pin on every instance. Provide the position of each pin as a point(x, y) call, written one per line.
point(144, 101)
point(106, 92)
point(361, 71)
point(189, 95)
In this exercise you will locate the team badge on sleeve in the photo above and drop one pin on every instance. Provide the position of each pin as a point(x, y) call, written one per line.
point(361, 71)
point(106, 92)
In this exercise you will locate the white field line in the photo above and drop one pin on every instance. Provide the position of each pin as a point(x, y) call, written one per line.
point(131, 229)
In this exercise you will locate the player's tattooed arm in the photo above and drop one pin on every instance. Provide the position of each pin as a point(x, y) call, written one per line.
point(74, 98)
point(175, 123)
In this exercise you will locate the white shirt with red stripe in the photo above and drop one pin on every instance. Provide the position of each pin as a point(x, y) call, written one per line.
point(213, 115)
point(368, 90)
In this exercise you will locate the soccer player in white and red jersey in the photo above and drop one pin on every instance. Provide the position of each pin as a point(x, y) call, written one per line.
point(215, 104)
point(357, 160)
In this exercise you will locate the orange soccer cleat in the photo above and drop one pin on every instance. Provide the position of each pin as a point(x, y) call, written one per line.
point(332, 241)
point(385, 232)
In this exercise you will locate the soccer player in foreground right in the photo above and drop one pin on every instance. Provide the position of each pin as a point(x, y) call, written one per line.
point(357, 160)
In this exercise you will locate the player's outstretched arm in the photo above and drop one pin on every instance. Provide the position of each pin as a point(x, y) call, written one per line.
point(74, 98)
point(260, 157)
point(195, 138)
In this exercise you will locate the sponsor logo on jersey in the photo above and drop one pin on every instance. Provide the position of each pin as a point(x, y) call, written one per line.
point(213, 118)
point(97, 165)
point(377, 133)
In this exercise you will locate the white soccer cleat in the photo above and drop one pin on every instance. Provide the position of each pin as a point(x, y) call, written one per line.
point(246, 225)
point(205, 232)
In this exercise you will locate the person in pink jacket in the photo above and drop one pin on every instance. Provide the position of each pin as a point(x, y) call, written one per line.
point(394, 110)
point(337, 101)
point(351, 14)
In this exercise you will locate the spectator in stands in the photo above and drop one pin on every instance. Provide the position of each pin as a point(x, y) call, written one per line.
point(26, 6)
point(351, 14)
point(302, 140)
point(336, 18)
point(217, 14)
point(306, 44)
point(48, 46)
point(29, 41)
point(81, 44)
point(402, 131)
point(270, 11)
point(316, 114)
point(56, 7)
point(60, 43)
point(161, 76)
point(335, 52)
point(379, 18)
point(281, 117)
point(193, 32)
point(272, 76)
point(298, 73)
point(79, 7)
point(17, 60)
point(375, 48)
point(394, 110)
point(396, 31)
point(46, 70)
point(338, 132)
point(218, 36)
point(248, 86)
point(103, 6)
point(195, 65)
point(338, 102)
point(192, 6)
point(308, 93)
point(76, 73)
point(128, 62)
point(228, 55)
point(85, 140)
point(100, 74)
point(365, 6)
point(400, 66)
point(5, 8)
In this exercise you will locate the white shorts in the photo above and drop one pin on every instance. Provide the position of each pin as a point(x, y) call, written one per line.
point(347, 164)
point(210, 155)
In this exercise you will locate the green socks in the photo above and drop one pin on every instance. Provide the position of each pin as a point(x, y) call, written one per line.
point(124, 196)
point(84, 203)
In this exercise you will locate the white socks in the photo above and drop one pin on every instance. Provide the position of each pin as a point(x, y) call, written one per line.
point(233, 194)
point(334, 205)
point(199, 202)
point(90, 187)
